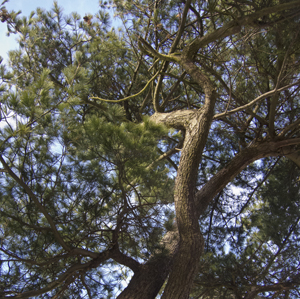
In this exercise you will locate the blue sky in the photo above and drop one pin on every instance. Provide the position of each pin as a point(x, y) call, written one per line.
point(82, 7)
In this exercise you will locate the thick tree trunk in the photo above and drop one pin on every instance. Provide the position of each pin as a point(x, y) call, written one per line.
point(191, 241)
point(150, 277)
point(148, 280)
point(182, 266)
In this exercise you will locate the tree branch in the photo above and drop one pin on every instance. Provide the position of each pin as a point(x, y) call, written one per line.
point(290, 128)
point(248, 105)
point(146, 48)
point(125, 260)
point(37, 203)
point(271, 288)
point(181, 27)
point(235, 26)
point(129, 97)
point(237, 164)
point(233, 95)
point(63, 277)
point(176, 119)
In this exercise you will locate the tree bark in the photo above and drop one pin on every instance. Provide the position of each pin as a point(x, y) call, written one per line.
point(147, 281)
point(181, 265)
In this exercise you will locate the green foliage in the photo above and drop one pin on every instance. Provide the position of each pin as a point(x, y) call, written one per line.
point(84, 162)
point(86, 186)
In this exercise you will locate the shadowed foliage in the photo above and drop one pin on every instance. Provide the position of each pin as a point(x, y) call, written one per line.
point(159, 158)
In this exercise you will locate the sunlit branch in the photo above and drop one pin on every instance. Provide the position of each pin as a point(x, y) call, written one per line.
point(147, 49)
point(248, 105)
point(202, 79)
point(233, 95)
point(166, 58)
point(129, 97)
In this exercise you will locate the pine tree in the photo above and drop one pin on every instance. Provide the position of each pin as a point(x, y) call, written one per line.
point(161, 158)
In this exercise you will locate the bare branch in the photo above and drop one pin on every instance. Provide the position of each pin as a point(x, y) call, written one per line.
point(129, 97)
point(148, 50)
point(248, 105)
point(237, 164)
point(289, 128)
point(235, 26)
point(38, 204)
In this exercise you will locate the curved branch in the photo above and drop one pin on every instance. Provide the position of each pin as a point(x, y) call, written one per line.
point(129, 97)
point(237, 164)
point(175, 119)
point(146, 48)
point(235, 26)
point(248, 105)
point(125, 260)
point(63, 277)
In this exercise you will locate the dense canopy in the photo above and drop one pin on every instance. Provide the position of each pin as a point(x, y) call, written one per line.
point(153, 154)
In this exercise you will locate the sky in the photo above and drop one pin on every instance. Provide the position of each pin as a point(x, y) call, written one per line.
point(82, 7)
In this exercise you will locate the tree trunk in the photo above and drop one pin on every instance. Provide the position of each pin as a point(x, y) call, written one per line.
point(148, 280)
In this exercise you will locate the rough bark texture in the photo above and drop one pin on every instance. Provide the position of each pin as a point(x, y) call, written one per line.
point(181, 265)
point(191, 242)
point(237, 164)
point(150, 277)
point(143, 284)
point(148, 280)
